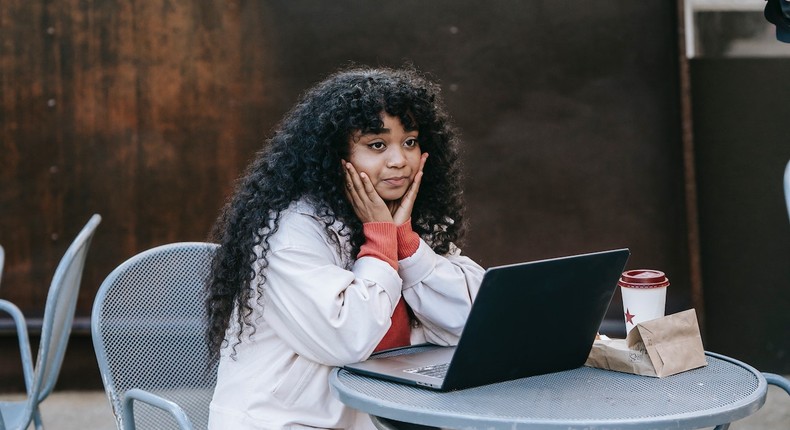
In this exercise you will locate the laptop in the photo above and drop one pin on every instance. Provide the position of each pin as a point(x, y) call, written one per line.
point(528, 319)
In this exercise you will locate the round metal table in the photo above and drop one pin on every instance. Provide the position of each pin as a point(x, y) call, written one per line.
point(725, 390)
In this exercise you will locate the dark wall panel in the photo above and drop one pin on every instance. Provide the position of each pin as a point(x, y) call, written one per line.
point(743, 144)
point(569, 116)
point(145, 112)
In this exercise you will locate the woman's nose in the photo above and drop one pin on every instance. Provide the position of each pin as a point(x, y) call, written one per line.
point(396, 158)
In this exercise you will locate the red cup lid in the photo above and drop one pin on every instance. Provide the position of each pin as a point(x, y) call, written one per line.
point(643, 278)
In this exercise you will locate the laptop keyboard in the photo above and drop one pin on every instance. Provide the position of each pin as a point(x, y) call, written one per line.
point(434, 370)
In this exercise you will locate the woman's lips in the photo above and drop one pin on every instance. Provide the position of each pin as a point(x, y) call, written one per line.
point(397, 182)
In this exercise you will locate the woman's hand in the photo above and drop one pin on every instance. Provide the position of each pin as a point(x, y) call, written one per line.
point(401, 209)
point(367, 203)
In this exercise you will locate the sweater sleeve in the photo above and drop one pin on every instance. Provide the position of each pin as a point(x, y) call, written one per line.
point(408, 240)
point(381, 241)
point(321, 308)
point(440, 290)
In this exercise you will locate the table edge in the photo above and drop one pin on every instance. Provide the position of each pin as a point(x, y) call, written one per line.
point(384, 408)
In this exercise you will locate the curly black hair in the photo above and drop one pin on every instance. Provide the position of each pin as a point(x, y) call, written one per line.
point(302, 161)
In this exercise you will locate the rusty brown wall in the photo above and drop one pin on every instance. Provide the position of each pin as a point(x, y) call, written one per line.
point(143, 112)
point(146, 111)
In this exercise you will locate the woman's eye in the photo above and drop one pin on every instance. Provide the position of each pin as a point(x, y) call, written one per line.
point(376, 145)
point(411, 143)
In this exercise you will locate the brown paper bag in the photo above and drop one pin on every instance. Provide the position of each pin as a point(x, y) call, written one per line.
point(661, 347)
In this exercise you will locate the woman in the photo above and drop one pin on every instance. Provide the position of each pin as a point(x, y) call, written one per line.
point(339, 241)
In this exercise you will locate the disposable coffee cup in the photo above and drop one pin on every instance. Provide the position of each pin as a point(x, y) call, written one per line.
point(644, 296)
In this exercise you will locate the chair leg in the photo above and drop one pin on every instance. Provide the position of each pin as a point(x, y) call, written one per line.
point(381, 423)
point(388, 424)
point(37, 419)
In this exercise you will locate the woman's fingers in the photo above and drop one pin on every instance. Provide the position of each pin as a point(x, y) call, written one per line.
point(351, 189)
point(402, 211)
point(367, 185)
point(353, 180)
point(415, 185)
point(367, 204)
point(423, 158)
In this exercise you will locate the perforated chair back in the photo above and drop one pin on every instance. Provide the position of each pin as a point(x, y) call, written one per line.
point(148, 326)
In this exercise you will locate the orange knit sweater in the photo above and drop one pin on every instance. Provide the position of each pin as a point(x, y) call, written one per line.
point(389, 243)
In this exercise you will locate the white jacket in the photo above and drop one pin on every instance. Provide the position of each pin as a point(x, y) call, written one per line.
point(318, 312)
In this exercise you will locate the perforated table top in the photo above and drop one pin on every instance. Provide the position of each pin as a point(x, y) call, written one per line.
point(723, 391)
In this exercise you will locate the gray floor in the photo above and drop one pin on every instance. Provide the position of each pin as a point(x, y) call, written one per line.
point(73, 410)
point(90, 410)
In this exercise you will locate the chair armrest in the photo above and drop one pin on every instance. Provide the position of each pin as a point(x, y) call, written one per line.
point(24, 340)
point(158, 402)
point(777, 380)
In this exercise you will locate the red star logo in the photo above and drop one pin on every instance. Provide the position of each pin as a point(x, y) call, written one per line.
point(629, 318)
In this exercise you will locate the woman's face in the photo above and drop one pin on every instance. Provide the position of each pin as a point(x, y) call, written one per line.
point(390, 158)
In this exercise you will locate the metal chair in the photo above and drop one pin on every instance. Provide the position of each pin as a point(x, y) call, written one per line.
point(787, 187)
point(55, 330)
point(2, 262)
point(148, 325)
point(389, 424)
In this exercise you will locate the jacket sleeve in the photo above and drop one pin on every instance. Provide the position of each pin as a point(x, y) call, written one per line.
point(440, 290)
point(324, 312)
